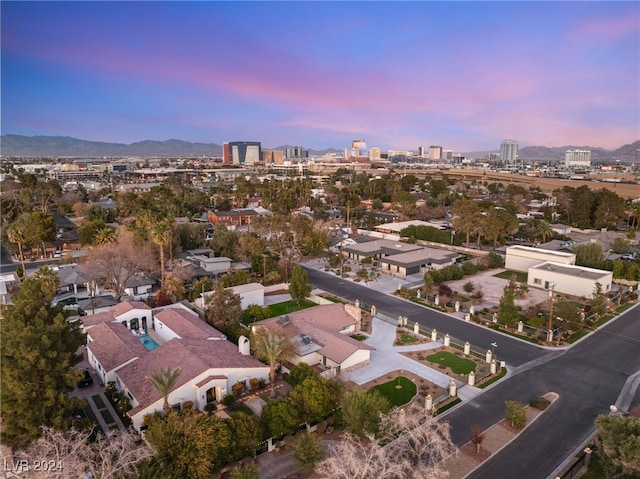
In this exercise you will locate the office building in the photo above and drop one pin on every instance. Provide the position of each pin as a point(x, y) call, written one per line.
point(509, 152)
point(374, 153)
point(435, 152)
point(241, 153)
point(272, 157)
point(421, 151)
point(292, 152)
point(359, 148)
point(577, 159)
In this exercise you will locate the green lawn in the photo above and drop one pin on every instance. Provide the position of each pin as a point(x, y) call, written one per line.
point(407, 339)
point(457, 364)
point(397, 396)
point(289, 307)
point(520, 277)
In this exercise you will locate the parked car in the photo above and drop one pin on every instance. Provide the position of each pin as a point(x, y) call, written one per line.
point(87, 380)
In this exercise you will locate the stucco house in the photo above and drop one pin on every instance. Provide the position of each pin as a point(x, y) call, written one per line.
point(568, 279)
point(521, 258)
point(321, 335)
point(129, 343)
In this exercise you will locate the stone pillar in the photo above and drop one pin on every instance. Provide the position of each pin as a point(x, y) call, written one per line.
point(416, 328)
point(494, 366)
point(472, 378)
point(270, 444)
point(587, 456)
point(549, 336)
point(437, 300)
point(467, 317)
point(357, 303)
point(457, 306)
point(373, 310)
point(404, 321)
point(434, 335)
point(399, 321)
point(495, 317)
point(472, 310)
point(428, 403)
point(447, 340)
point(467, 348)
point(489, 356)
point(520, 326)
point(453, 389)
point(418, 294)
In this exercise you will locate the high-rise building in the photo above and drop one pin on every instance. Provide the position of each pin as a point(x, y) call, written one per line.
point(577, 159)
point(435, 152)
point(374, 153)
point(272, 157)
point(359, 148)
point(509, 152)
point(242, 153)
point(421, 151)
point(291, 152)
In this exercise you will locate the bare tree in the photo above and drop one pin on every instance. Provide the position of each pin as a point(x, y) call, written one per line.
point(410, 444)
point(116, 264)
point(64, 454)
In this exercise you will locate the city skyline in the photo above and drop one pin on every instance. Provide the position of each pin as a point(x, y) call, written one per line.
point(464, 75)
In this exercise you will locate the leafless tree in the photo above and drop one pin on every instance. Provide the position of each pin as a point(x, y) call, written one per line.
point(410, 444)
point(65, 454)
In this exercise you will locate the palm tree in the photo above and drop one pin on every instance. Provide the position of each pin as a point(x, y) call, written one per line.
point(17, 234)
point(104, 235)
point(50, 280)
point(164, 380)
point(161, 235)
point(544, 230)
point(272, 346)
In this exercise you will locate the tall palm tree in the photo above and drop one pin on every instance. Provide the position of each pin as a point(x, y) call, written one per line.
point(544, 230)
point(164, 379)
point(17, 234)
point(161, 234)
point(272, 346)
point(50, 280)
point(104, 235)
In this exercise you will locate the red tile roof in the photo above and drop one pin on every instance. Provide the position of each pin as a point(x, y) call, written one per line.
point(126, 306)
point(113, 344)
point(187, 324)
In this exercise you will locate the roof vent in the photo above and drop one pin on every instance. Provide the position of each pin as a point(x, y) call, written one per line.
point(284, 319)
point(306, 339)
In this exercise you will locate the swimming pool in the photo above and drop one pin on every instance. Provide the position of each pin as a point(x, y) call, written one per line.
point(148, 342)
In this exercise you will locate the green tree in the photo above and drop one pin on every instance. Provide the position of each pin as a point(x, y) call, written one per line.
point(104, 235)
point(315, 398)
point(361, 412)
point(41, 227)
point(544, 231)
point(428, 284)
point(280, 417)
point(298, 287)
point(507, 310)
point(244, 437)
point(299, 373)
point(597, 300)
point(164, 380)
point(244, 471)
point(498, 224)
point(589, 254)
point(17, 234)
point(88, 232)
point(38, 349)
point(515, 413)
point(621, 246)
point(466, 213)
point(609, 210)
point(161, 234)
point(272, 346)
point(254, 313)
point(619, 441)
point(307, 452)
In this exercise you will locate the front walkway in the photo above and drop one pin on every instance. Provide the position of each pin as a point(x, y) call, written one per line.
point(388, 358)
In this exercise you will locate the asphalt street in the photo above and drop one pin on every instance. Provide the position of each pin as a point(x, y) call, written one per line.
point(588, 377)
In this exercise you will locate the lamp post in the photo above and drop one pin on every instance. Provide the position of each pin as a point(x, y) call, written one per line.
point(550, 325)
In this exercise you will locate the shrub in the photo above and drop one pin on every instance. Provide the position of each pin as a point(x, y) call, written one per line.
point(540, 403)
point(469, 268)
point(229, 400)
point(187, 405)
point(494, 260)
point(253, 383)
point(210, 407)
point(124, 405)
point(237, 389)
point(469, 286)
point(514, 413)
point(262, 382)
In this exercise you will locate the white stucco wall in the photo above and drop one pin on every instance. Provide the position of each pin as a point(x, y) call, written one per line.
point(521, 258)
point(572, 284)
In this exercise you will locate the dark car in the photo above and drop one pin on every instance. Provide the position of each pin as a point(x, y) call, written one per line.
point(86, 380)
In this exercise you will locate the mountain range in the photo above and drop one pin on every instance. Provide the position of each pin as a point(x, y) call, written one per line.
point(56, 146)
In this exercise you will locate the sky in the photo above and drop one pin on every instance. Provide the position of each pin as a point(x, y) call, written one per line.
point(461, 75)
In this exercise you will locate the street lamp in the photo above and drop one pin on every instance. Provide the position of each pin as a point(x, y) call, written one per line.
point(550, 325)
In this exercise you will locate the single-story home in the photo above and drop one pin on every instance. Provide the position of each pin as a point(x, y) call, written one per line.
point(569, 279)
point(322, 337)
point(521, 258)
point(418, 261)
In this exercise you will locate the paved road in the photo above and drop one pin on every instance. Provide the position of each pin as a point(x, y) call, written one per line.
point(515, 352)
point(588, 377)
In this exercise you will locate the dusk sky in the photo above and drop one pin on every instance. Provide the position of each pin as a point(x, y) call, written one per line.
point(462, 75)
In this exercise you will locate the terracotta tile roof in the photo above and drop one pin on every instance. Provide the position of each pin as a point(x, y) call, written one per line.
point(220, 354)
point(98, 318)
point(187, 324)
point(323, 325)
point(113, 345)
point(126, 306)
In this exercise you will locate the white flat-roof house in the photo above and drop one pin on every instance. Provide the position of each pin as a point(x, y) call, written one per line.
point(322, 336)
point(173, 337)
point(569, 279)
point(521, 258)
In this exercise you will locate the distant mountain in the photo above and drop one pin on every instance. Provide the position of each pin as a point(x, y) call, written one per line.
point(19, 145)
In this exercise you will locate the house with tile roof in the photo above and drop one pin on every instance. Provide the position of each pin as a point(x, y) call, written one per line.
point(322, 337)
point(124, 348)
